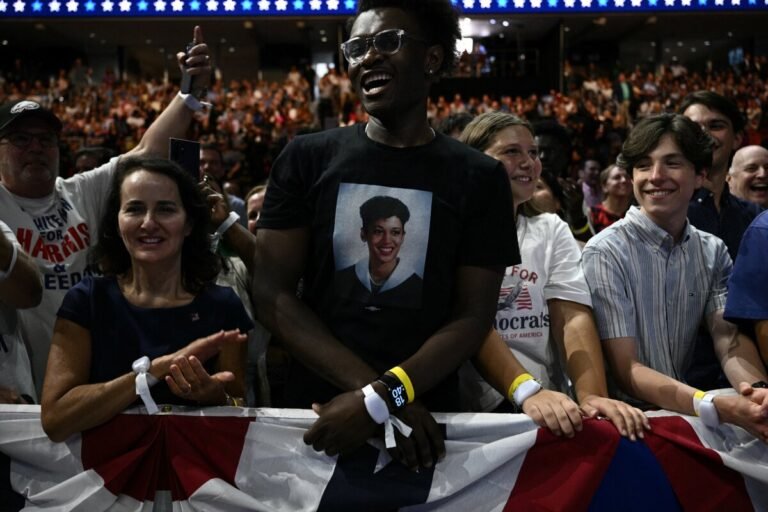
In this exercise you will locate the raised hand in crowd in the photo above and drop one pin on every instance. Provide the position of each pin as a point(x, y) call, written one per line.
point(573, 208)
point(196, 62)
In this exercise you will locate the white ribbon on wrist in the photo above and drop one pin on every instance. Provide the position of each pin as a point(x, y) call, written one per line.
point(193, 103)
point(526, 390)
point(223, 227)
point(144, 380)
point(708, 412)
point(379, 413)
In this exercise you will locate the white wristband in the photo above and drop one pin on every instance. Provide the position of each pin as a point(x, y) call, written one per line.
point(193, 103)
point(228, 223)
point(708, 411)
point(526, 390)
point(4, 274)
point(223, 227)
point(379, 412)
point(143, 382)
point(375, 405)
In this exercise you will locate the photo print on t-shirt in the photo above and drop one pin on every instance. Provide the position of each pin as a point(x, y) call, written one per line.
point(380, 240)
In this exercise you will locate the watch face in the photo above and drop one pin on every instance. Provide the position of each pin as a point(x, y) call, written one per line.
point(760, 384)
point(398, 396)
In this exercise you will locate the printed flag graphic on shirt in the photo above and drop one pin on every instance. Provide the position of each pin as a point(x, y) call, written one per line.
point(255, 459)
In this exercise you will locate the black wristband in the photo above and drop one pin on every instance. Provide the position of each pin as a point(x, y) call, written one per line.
point(760, 384)
point(397, 397)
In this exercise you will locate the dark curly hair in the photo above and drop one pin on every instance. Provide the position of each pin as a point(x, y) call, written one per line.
point(199, 266)
point(438, 20)
point(383, 207)
point(695, 144)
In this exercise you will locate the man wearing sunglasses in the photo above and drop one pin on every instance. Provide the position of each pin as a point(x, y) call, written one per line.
point(357, 362)
point(54, 219)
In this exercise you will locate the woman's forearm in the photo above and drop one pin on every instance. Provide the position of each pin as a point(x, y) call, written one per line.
point(86, 406)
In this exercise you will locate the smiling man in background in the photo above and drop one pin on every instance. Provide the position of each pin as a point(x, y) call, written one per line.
point(748, 177)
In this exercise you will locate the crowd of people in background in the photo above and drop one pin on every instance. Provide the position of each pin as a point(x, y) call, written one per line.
point(348, 298)
point(251, 120)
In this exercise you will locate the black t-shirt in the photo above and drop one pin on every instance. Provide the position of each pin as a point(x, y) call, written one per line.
point(459, 213)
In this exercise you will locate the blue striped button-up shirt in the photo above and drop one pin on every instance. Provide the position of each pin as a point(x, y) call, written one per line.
point(647, 287)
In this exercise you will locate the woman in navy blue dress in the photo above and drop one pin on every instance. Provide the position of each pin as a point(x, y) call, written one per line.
point(155, 316)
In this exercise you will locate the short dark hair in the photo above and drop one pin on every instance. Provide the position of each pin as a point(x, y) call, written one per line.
point(438, 20)
point(199, 266)
point(714, 101)
point(695, 144)
point(480, 132)
point(383, 207)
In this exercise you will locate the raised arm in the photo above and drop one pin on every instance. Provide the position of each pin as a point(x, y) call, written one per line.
point(175, 119)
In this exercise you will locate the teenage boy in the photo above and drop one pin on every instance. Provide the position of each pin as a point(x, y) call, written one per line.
point(654, 278)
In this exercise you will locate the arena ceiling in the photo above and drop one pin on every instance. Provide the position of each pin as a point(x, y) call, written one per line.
point(323, 32)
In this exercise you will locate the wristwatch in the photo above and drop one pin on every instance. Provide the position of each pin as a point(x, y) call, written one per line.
point(397, 397)
point(760, 384)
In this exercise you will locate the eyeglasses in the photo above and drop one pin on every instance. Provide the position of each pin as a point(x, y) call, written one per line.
point(386, 42)
point(23, 140)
